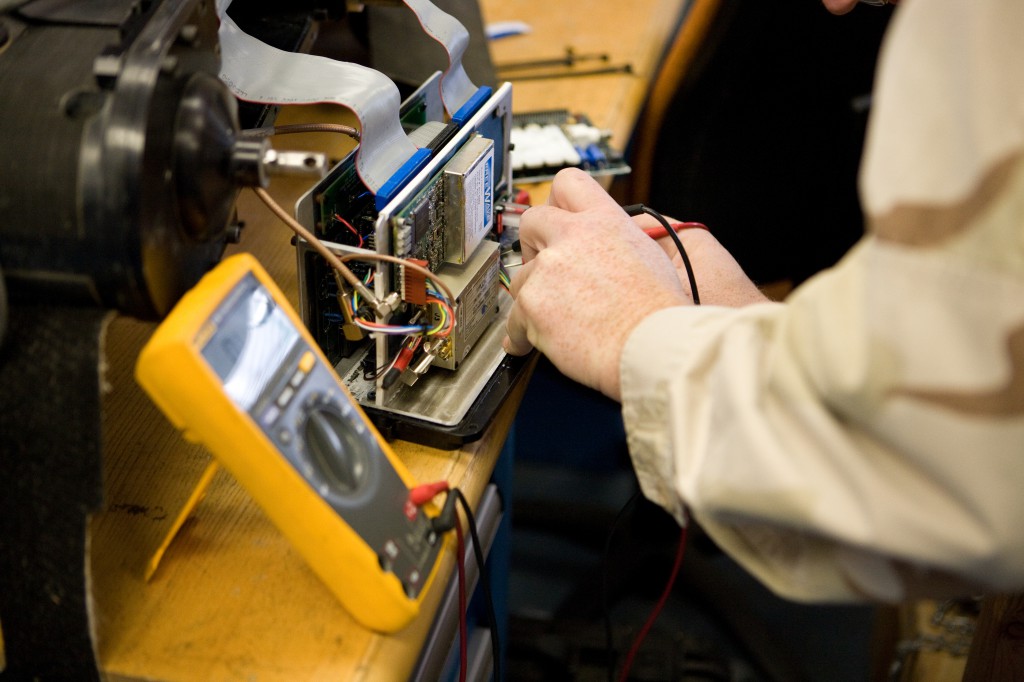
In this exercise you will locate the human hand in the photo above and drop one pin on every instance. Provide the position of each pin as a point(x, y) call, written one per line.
point(589, 276)
point(844, 6)
point(839, 6)
point(720, 279)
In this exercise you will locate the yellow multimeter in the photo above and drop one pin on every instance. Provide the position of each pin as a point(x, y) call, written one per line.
point(234, 368)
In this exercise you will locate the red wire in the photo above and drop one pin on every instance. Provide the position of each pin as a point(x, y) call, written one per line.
point(419, 496)
point(425, 492)
point(404, 357)
point(463, 656)
point(624, 674)
point(659, 232)
point(350, 227)
point(448, 311)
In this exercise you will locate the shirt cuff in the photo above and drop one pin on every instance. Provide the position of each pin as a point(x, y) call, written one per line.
point(664, 371)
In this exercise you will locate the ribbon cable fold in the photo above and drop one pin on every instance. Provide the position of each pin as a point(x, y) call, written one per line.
point(456, 88)
point(257, 72)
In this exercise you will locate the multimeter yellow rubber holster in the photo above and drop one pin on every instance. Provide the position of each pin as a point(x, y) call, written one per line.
point(235, 369)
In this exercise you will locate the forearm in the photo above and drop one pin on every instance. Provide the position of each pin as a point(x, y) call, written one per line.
point(790, 432)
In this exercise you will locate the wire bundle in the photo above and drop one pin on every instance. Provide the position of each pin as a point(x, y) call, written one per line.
point(654, 233)
point(444, 522)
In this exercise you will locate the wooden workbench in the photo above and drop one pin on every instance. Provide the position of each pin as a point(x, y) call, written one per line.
point(231, 599)
point(634, 33)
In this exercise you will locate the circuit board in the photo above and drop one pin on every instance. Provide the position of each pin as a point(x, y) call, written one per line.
point(444, 221)
point(545, 142)
point(418, 230)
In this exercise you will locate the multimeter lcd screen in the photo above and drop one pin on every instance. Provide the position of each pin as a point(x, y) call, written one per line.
point(252, 340)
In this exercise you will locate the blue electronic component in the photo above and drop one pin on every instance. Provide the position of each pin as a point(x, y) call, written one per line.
point(595, 157)
point(472, 105)
point(390, 189)
point(396, 182)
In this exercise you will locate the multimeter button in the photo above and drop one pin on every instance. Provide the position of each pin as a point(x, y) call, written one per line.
point(416, 541)
point(297, 378)
point(307, 361)
point(387, 556)
point(411, 583)
point(285, 396)
point(271, 415)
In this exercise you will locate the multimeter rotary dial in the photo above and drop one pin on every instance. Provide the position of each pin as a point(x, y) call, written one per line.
point(337, 446)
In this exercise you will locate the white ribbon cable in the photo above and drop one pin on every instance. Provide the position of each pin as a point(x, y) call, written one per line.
point(456, 88)
point(257, 72)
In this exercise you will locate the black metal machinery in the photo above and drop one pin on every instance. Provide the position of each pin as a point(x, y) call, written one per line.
point(119, 169)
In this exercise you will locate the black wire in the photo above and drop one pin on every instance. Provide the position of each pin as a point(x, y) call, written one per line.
point(637, 209)
point(634, 210)
point(605, 606)
point(485, 583)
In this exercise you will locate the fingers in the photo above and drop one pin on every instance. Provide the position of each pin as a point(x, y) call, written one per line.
point(572, 191)
point(516, 341)
point(535, 228)
point(575, 191)
point(839, 6)
point(519, 278)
